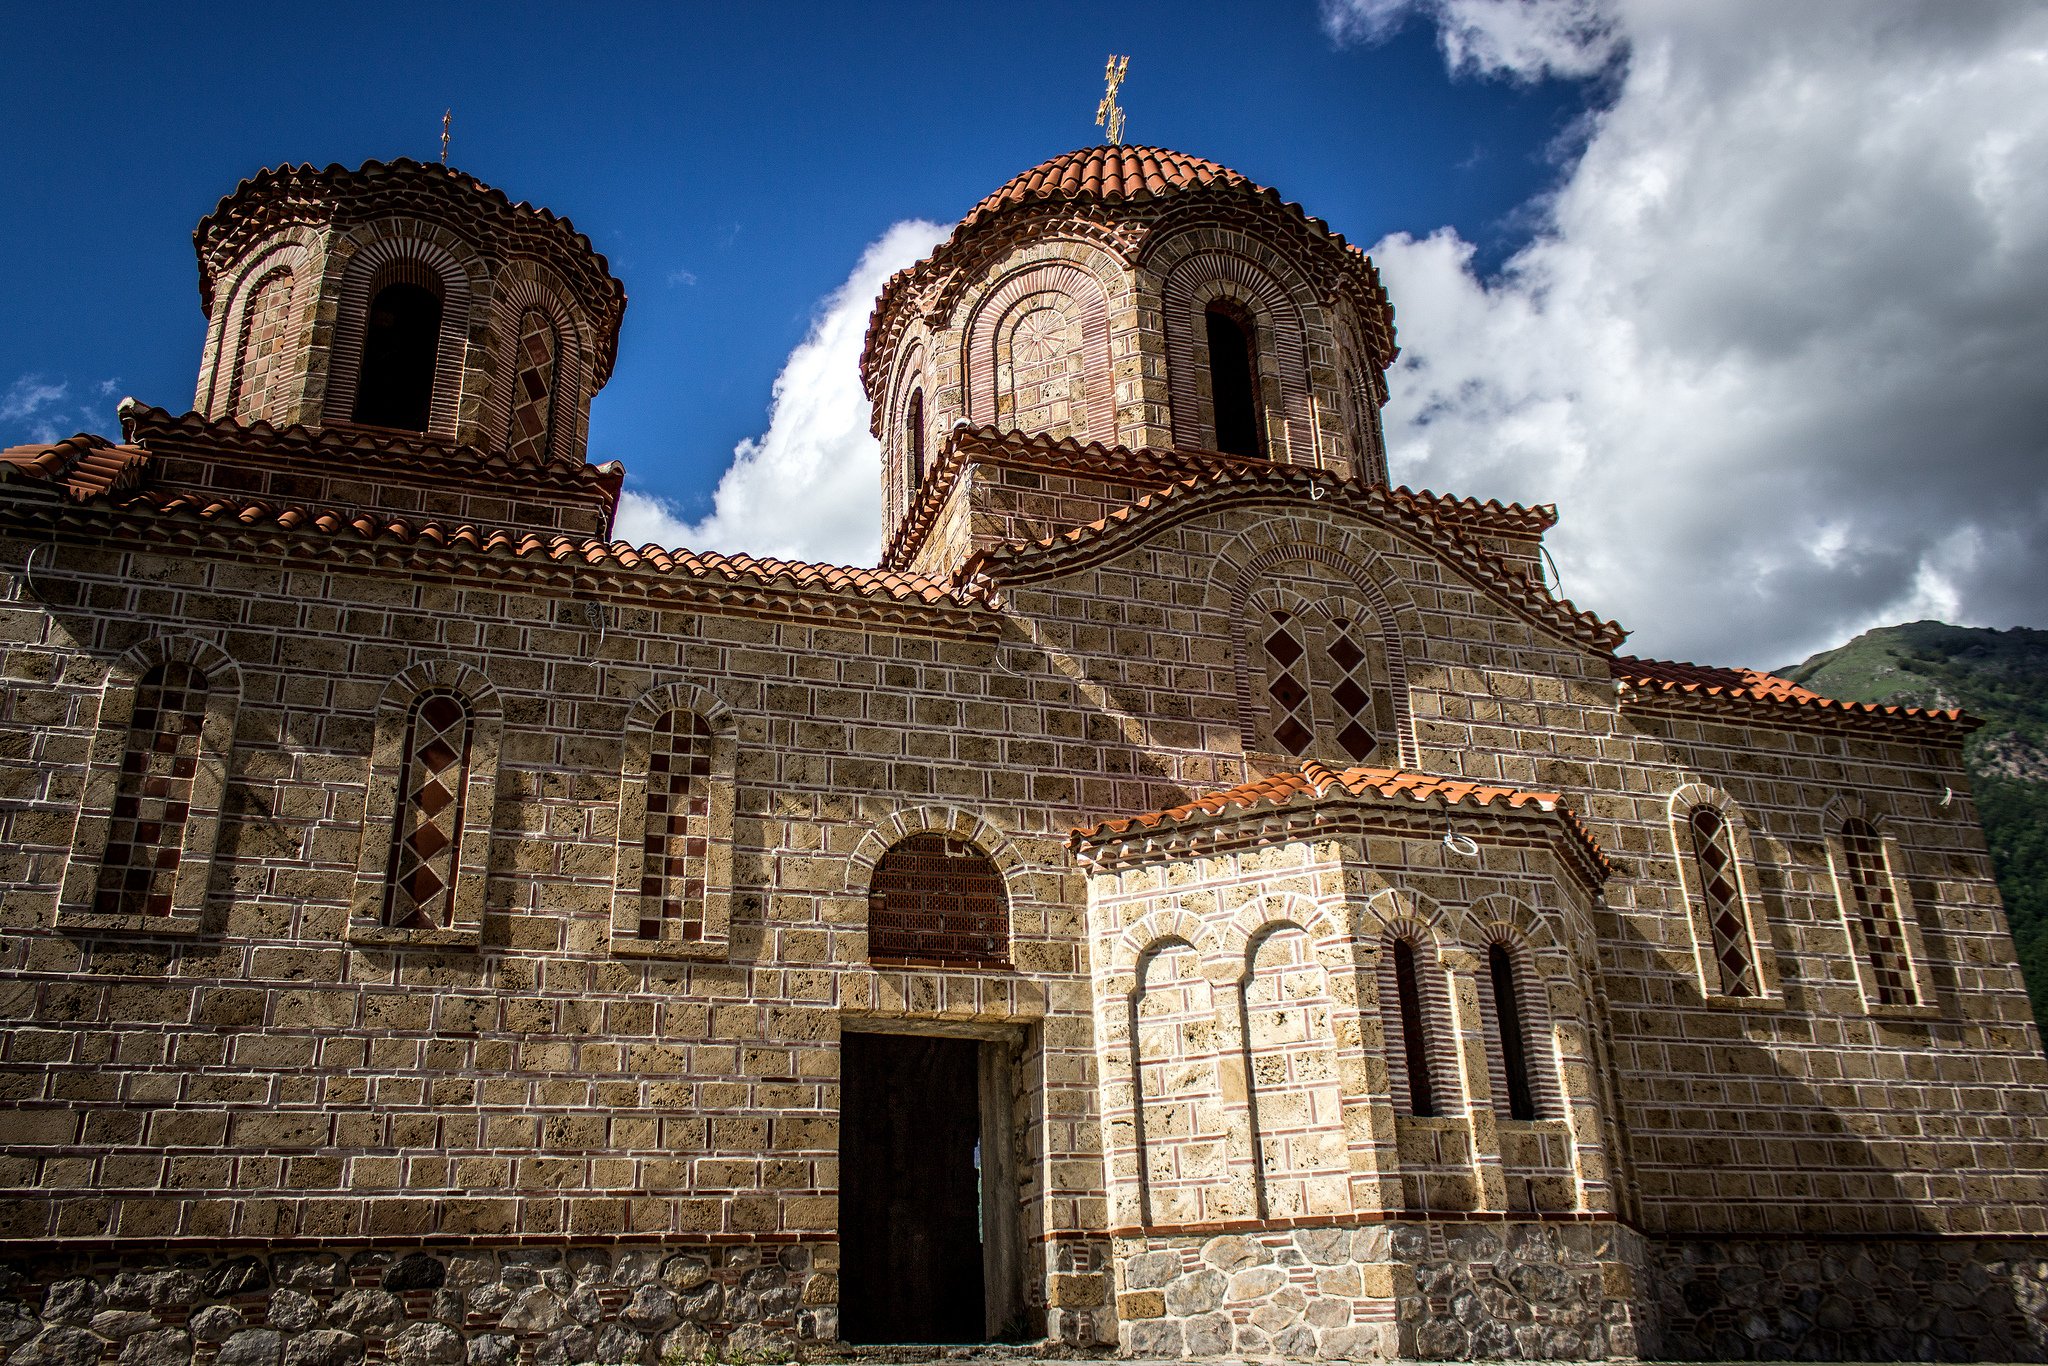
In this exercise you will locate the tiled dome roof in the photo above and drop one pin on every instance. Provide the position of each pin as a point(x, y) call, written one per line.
point(1106, 173)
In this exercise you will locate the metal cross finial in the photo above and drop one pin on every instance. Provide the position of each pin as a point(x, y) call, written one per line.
point(447, 118)
point(1108, 116)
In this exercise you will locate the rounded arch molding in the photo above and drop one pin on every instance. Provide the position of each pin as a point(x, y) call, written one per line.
point(521, 287)
point(1241, 570)
point(293, 252)
point(1194, 271)
point(390, 252)
point(1002, 303)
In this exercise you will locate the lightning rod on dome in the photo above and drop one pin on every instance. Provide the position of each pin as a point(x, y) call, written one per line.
point(447, 119)
point(1109, 116)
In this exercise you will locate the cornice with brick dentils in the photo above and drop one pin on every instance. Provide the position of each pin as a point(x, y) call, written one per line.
point(1314, 801)
point(335, 195)
point(1752, 695)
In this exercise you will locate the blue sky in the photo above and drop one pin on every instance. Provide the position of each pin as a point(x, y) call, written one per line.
point(1755, 292)
point(732, 161)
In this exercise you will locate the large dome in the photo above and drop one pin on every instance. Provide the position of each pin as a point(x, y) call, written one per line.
point(1108, 173)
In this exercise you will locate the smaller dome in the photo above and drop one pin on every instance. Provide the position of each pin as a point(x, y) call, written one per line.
point(1111, 173)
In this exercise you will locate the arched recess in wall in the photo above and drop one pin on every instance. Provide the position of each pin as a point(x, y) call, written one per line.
point(1874, 893)
point(230, 375)
point(1192, 283)
point(374, 267)
point(155, 784)
point(521, 295)
point(1262, 582)
point(1182, 1130)
point(1077, 298)
point(906, 464)
point(1288, 1003)
point(672, 861)
point(1025, 884)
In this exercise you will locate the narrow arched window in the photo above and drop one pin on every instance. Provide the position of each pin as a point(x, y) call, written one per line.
point(935, 898)
point(677, 844)
point(420, 884)
point(913, 442)
point(530, 436)
point(1414, 1032)
point(395, 387)
point(145, 838)
point(1233, 383)
point(1510, 1043)
point(1875, 913)
point(1713, 857)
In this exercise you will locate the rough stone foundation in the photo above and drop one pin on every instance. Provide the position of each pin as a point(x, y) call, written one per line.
point(1853, 1300)
point(490, 1307)
point(1432, 1291)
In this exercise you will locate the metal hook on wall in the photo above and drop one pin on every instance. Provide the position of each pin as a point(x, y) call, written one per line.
point(1464, 846)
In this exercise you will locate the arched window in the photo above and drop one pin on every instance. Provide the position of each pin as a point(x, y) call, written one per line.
point(1874, 912)
point(531, 434)
point(1713, 855)
point(938, 899)
point(395, 385)
point(1509, 1040)
point(1290, 720)
point(677, 843)
point(913, 442)
point(260, 352)
point(146, 835)
point(1327, 682)
point(420, 881)
point(1233, 382)
point(1414, 1083)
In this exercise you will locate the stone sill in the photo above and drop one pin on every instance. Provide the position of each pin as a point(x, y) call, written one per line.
point(681, 949)
point(100, 922)
point(372, 936)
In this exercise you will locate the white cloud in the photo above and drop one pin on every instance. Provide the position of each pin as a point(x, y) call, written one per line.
point(28, 395)
point(1779, 349)
point(37, 408)
point(810, 487)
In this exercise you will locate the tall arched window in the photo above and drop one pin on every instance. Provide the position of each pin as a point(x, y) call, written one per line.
point(1510, 1042)
point(1414, 1082)
point(936, 898)
point(395, 386)
point(1290, 721)
point(425, 840)
point(531, 433)
point(146, 836)
point(913, 442)
point(1233, 382)
point(676, 847)
point(1713, 856)
point(1875, 914)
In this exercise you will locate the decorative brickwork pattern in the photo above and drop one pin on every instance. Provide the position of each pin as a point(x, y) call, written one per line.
point(260, 356)
point(1713, 857)
point(1874, 915)
point(420, 884)
point(936, 899)
point(531, 437)
point(146, 837)
point(677, 844)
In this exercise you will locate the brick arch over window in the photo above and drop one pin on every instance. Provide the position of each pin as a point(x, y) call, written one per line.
point(156, 777)
point(1874, 893)
point(224, 375)
point(390, 260)
point(262, 347)
point(431, 796)
point(1031, 889)
point(1394, 750)
point(900, 480)
point(1717, 871)
point(519, 297)
point(1415, 1020)
point(1191, 285)
point(1085, 304)
point(672, 880)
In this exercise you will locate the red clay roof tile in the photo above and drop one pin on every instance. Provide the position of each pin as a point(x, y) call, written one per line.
point(1676, 679)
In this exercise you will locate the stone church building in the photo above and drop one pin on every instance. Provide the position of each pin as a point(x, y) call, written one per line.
point(1191, 898)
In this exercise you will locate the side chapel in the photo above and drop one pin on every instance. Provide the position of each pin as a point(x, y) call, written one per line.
point(1191, 897)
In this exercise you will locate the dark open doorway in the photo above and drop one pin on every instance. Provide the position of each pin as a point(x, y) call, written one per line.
point(927, 1192)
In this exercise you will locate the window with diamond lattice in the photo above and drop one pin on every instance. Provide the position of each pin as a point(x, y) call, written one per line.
point(677, 843)
point(153, 800)
point(1321, 667)
point(1876, 914)
point(1713, 855)
point(419, 890)
point(939, 899)
point(531, 435)
point(1290, 720)
point(1350, 690)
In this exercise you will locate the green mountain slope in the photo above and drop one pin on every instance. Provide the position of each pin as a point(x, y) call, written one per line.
point(2002, 677)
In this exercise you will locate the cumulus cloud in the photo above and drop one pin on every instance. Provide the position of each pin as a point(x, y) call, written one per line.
point(37, 408)
point(1779, 346)
point(810, 486)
